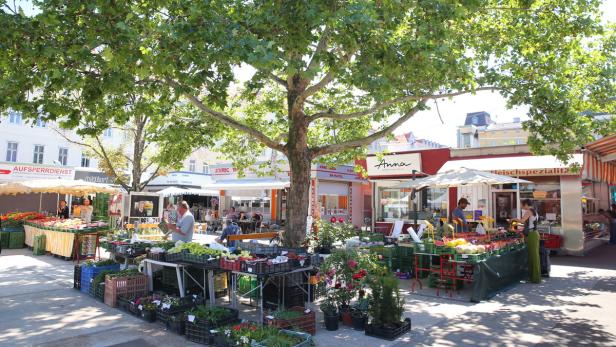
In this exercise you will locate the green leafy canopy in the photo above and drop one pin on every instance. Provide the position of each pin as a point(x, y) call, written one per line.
point(330, 76)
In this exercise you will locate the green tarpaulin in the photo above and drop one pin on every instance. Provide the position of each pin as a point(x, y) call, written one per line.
point(498, 273)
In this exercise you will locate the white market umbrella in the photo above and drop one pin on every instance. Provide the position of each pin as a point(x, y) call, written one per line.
point(13, 188)
point(175, 191)
point(458, 177)
point(59, 186)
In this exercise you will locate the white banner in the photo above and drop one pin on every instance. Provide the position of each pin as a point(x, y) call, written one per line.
point(22, 172)
point(394, 165)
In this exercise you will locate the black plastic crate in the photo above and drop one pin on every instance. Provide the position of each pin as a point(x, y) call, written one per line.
point(173, 257)
point(263, 268)
point(166, 315)
point(77, 277)
point(204, 261)
point(98, 292)
point(157, 256)
point(199, 329)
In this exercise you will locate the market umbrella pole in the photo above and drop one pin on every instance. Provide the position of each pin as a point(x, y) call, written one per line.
point(40, 201)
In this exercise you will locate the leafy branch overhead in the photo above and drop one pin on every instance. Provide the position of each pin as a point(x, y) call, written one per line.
point(326, 77)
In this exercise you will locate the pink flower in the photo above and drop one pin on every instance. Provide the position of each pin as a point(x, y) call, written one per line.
point(352, 263)
point(350, 286)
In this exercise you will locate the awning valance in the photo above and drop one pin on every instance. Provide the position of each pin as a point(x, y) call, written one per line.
point(540, 165)
point(175, 191)
point(248, 184)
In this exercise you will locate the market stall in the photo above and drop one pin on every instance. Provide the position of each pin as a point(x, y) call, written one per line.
point(67, 238)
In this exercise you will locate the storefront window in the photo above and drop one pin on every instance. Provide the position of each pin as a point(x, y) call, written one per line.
point(393, 203)
point(250, 204)
point(545, 195)
point(434, 201)
point(333, 205)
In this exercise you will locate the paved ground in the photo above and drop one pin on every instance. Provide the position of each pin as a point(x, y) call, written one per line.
point(575, 307)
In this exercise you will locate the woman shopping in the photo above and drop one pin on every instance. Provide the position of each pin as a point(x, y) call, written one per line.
point(529, 220)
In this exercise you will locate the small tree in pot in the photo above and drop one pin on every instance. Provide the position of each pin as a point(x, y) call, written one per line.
point(386, 307)
point(330, 313)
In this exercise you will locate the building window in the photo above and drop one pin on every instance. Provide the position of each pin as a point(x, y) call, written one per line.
point(85, 160)
point(63, 155)
point(545, 195)
point(11, 152)
point(40, 123)
point(14, 117)
point(191, 166)
point(467, 140)
point(206, 168)
point(39, 151)
point(107, 132)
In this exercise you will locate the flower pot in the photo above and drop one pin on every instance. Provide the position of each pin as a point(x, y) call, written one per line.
point(331, 321)
point(220, 341)
point(359, 320)
point(148, 315)
point(345, 315)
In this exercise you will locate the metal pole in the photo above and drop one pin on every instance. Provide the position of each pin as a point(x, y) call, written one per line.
point(414, 196)
point(40, 201)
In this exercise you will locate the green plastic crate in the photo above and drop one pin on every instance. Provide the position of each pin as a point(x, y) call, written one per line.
point(17, 240)
point(39, 245)
point(4, 239)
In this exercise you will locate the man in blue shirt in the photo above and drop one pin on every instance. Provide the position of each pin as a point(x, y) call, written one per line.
point(231, 229)
point(458, 213)
point(183, 230)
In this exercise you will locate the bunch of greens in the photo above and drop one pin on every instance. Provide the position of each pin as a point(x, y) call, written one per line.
point(210, 314)
point(196, 249)
point(284, 314)
point(105, 262)
point(124, 273)
point(235, 256)
point(98, 279)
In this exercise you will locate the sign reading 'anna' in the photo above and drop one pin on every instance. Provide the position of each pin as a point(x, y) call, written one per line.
point(394, 165)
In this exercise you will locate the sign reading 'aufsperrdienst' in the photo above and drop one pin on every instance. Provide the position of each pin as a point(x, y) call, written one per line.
point(394, 165)
point(20, 172)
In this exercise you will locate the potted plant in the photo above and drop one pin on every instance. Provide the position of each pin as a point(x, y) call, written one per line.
point(330, 312)
point(386, 307)
point(146, 308)
point(295, 318)
point(328, 233)
point(359, 314)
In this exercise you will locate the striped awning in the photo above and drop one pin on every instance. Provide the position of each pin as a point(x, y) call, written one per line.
point(600, 160)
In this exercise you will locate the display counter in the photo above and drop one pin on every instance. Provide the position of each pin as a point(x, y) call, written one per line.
point(60, 241)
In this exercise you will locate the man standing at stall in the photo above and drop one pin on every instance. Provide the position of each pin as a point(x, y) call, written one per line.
point(458, 215)
point(183, 230)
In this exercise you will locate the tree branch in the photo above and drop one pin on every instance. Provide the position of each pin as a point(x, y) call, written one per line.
point(277, 79)
point(389, 103)
point(155, 174)
point(329, 76)
point(110, 165)
point(321, 46)
point(338, 147)
point(225, 119)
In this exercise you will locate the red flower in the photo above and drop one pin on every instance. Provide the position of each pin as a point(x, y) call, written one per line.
point(338, 285)
point(352, 263)
point(341, 220)
point(333, 219)
point(350, 286)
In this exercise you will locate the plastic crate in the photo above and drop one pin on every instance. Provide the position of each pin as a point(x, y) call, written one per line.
point(198, 330)
point(258, 248)
point(38, 247)
point(129, 285)
point(165, 315)
point(77, 277)
point(157, 256)
point(89, 272)
point(231, 265)
point(552, 241)
point(12, 229)
point(247, 287)
point(4, 239)
point(17, 239)
point(204, 261)
point(173, 257)
point(306, 323)
point(263, 268)
point(307, 339)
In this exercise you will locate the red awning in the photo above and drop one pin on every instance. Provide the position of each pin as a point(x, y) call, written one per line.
point(600, 160)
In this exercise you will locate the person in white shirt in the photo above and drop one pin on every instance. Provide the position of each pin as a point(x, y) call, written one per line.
point(85, 210)
point(183, 230)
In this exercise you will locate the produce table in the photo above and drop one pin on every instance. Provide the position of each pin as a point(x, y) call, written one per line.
point(59, 242)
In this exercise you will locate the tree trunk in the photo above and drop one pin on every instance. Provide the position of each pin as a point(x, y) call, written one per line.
point(299, 163)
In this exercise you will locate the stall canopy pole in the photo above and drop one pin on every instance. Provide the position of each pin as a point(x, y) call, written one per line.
point(40, 201)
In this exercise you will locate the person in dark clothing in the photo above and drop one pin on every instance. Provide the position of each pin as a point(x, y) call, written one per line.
point(62, 211)
point(613, 225)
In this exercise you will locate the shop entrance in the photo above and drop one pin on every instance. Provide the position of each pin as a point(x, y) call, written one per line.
point(505, 206)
